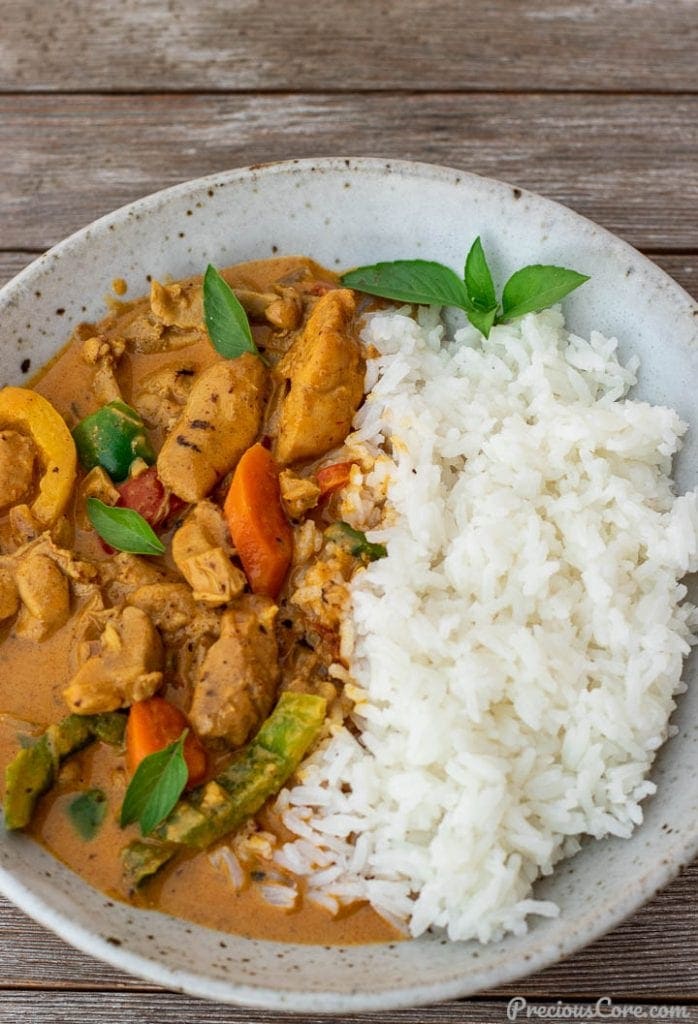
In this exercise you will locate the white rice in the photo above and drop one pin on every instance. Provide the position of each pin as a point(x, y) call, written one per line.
point(516, 655)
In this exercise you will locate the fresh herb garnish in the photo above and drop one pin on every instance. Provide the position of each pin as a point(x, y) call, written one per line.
point(156, 787)
point(87, 812)
point(537, 287)
point(123, 529)
point(419, 281)
point(226, 320)
point(355, 542)
point(425, 283)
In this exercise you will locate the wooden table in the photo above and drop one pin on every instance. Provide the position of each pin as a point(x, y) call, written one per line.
point(590, 103)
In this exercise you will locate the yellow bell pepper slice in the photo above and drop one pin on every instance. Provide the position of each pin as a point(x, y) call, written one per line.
point(35, 414)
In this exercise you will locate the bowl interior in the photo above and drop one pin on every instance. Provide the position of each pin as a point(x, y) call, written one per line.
point(345, 212)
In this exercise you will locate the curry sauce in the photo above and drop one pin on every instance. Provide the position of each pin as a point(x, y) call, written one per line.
point(193, 626)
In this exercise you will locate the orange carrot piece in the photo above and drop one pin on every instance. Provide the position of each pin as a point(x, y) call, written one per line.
point(260, 530)
point(155, 723)
point(331, 478)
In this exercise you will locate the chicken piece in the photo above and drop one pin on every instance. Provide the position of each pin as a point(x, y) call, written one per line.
point(239, 676)
point(17, 458)
point(104, 354)
point(201, 551)
point(163, 394)
point(9, 595)
point(325, 374)
point(281, 307)
point(304, 672)
point(297, 493)
point(97, 484)
point(170, 606)
point(142, 331)
point(222, 418)
point(181, 305)
point(44, 575)
point(23, 526)
point(213, 577)
point(45, 596)
point(124, 573)
point(178, 304)
point(122, 666)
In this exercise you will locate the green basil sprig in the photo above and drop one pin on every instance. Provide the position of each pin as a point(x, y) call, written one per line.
point(156, 786)
point(424, 282)
point(123, 529)
point(87, 812)
point(226, 320)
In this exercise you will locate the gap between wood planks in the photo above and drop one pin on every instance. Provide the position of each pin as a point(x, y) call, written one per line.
point(213, 90)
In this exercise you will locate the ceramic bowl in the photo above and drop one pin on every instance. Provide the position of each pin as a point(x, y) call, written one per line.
point(343, 212)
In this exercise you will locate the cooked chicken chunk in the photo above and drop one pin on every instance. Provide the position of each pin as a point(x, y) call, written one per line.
point(9, 596)
point(163, 394)
point(104, 354)
point(221, 420)
point(304, 673)
point(325, 374)
point(297, 493)
point(23, 526)
point(181, 304)
point(17, 457)
point(177, 305)
point(42, 575)
point(45, 596)
point(282, 307)
point(170, 606)
point(122, 666)
point(240, 674)
point(123, 573)
point(97, 484)
point(201, 550)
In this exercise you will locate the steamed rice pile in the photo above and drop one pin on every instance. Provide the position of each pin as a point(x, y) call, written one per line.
point(516, 655)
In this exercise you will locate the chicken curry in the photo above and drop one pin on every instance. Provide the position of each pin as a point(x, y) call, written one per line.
point(173, 573)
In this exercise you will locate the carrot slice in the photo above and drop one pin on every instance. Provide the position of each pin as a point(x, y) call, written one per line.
point(331, 478)
point(261, 532)
point(155, 723)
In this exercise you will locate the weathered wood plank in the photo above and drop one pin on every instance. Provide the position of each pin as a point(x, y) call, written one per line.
point(653, 954)
point(120, 1008)
point(627, 161)
point(325, 44)
point(683, 268)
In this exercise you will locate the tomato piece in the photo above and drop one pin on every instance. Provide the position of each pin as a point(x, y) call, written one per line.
point(147, 495)
point(155, 723)
point(332, 478)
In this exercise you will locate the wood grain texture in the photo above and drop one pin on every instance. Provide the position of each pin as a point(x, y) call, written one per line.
point(162, 1008)
point(645, 957)
point(328, 44)
point(627, 161)
point(683, 268)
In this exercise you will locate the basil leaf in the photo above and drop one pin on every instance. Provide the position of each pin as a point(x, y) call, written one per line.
point(123, 528)
point(418, 281)
point(87, 812)
point(482, 321)
point(537, 287)
point(226, 320)
point(156, 787)
point(478, 281)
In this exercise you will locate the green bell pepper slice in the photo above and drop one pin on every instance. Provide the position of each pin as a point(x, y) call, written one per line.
point(112, 438)
point(35, 768)
point(220, 806)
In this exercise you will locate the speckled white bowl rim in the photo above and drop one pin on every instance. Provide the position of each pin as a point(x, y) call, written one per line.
point(346, 211)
